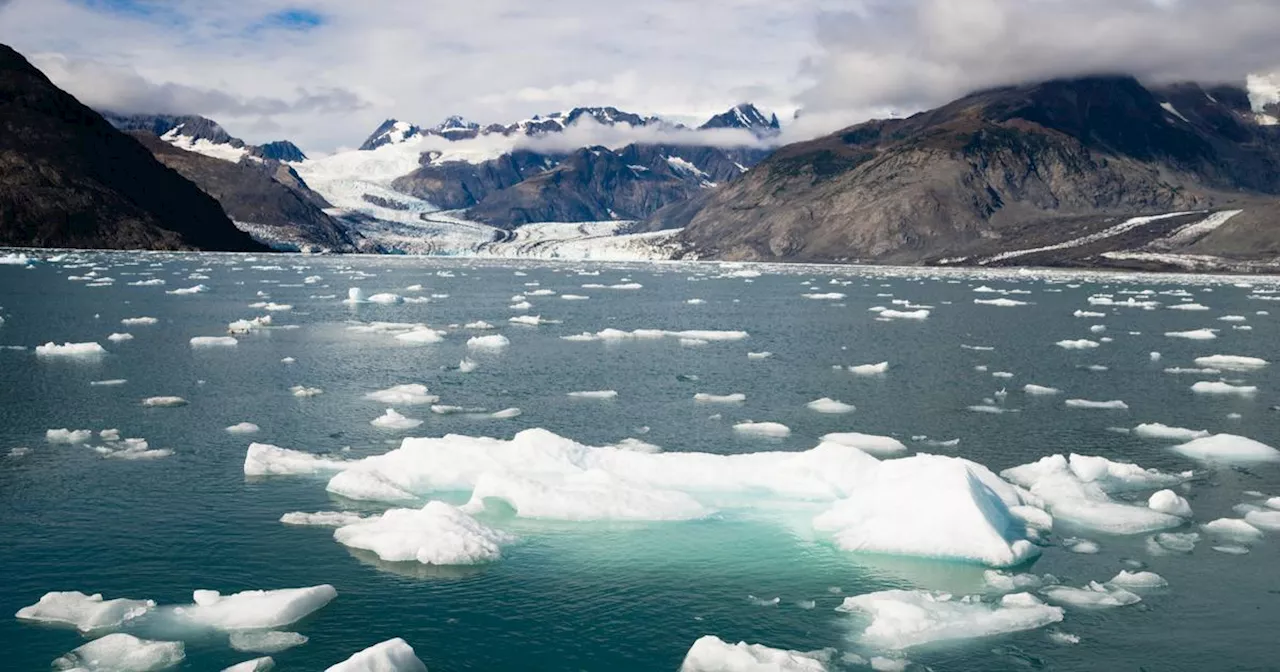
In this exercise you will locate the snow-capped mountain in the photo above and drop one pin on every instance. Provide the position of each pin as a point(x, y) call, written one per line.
point(745, 116)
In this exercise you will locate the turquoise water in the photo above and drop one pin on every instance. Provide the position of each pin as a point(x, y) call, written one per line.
point(593, 596)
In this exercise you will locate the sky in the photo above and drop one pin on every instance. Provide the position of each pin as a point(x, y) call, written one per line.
point(325, 73)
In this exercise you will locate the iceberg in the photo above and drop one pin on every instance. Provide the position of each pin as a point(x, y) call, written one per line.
point(1264, 520)
point(879, 446)
point(118, 338)
point(1233, 529)
point(84, 350)
point(393, 655)
point(386, 298)
point(255, 609)
point(198, 289)
point(920, 314)
point(712, 654)
point(830, 406)
point(321, 518)
point(411, 394)
point(1079, 344)
point(304, 391)
point(1228, 449)
point(393, 420)
point(437, 534)
point(119, 652)
point(85, 612)
point(421, 336)
point(1001, 302)
point(901, 619)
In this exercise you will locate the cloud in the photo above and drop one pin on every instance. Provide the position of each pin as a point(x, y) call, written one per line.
point(914, 54)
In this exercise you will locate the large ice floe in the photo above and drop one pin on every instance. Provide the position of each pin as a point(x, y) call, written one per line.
point(393, 655)
point(1228, 449)
point(931, 506)
point(119, 652)
point(902, 619)
point(254, 609)
point(712, 654)
point(84, 350)
point(436, 534)
point(1078, 489)
point(84, 612)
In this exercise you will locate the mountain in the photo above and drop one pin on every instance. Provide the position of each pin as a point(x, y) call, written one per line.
point(68, 178)
point(198, 133)
point(394, 131)
point(992, 177)
point(745, 116)
point(264, 196)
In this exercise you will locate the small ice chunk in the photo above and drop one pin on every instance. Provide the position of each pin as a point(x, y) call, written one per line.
point(164, 402)
point(1138, 580)
point(869, 369)
point(393, 655)
point(1228, 448)
point(478, 324)
point(466, 366)
point(393, 420)
point(830, 406)
point(734, 398)
point(304, 391)
point(354, 295)
point(256, 609)
point(1040, 390)
point(1093, 596)
point(71, 436)
point(1155, 430)
point(1194, 335)
point(436, 534)
point(878, 446)
point(905, 618)
point(266, 641)
point(1172, 542)
point(712, 654)
point(85, 612)
point(288, 360)
point(1080, 344)
point(117, 338)
point(595, 394)
point(181, 291)
point(213, 341)
point(411, 394)
point(86, 350)
point(759, 355)
point(243, 428)
point(138, 321)
point(491, 342)
point(1115, 405)
point(774, 429)
point(1170, 502)
point(119, 652)
point(1081, 546)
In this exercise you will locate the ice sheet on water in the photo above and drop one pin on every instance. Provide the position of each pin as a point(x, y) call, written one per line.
point(255, 609)
point(85, 612)
point(830, 406)
point(410, 394)
point(393, 420)
point(878, 446)
point(1115, 405)
point(1228, 449)
point(266, 641)
point(421, 336)
point(437, 534)
point(1077, 490)
point(1161, 432)
point(119, 652)
point(82, 350)
point(108, 383)
point(712, 654)
point(901, 619)
point(393, 655)
point(267, 460)
point(213, 341)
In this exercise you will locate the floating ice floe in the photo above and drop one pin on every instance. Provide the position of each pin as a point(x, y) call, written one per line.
point(734, 398)
point(830, 406)
point(505, 414)
point(1077, 490)
point(255, 609)
point(574, 297)
point(1218, 387)
point(246, 326)
point(420, 336)
point(649, 334)
point(1264, 520)
point(71, 436)
point(267, 460)
point(1002, 302)
point(271, 306)
point(1079, 344)
point(1170, 502)
point(869, 369)
point(1088, 313)
point(1081, 546)
point(466, 366)
point(132, 449)
point(920, 314)
point(242, 428)
point(712, 654)
point(354, 295)
point(386, 298)
point(829, 296)
point(321, 518)
point(119, 652)
point(263, 664)
point(304, 391)
point(85, 612)
point(138, 321)
point(437, 534)
point(1155, 430)
point(595, 394)
point(774, 429)
point(1172, 542)
point(1187, 306)
point(878, 446)
point(265, 641)
point(118, 338)
point(411, 394)
point(85, 350)
point(759, 355)
point(1138, 580)
point(213, 341)
point(164, 402)
point(1093, 596)
point(491, 342)
point(393, 420)
point(198, 289)
point(1194, 335)
point(901, 619)
point(393, 655)
point(1040, 390)
point(1114, 404)
point(1231, 362)
point(1232, 529)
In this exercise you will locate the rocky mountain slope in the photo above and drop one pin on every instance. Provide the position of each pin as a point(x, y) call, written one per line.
point(1015, 169)
point(263, 196)
point(70, 179)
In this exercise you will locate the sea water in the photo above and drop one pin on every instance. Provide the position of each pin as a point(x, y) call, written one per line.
point(607, 595)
